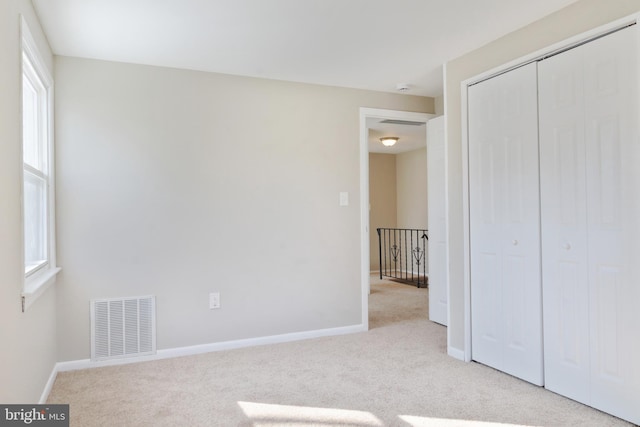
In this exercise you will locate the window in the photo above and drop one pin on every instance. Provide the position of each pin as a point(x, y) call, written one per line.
point(37, 162)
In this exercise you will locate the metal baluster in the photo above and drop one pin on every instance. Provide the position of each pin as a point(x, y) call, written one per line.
point(384, 233)
point(379, 253)
point(392, 242)
point(411, 234)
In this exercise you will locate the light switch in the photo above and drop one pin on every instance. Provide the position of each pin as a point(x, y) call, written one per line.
point(344, 198)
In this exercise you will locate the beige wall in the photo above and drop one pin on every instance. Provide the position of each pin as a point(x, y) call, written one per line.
point(411, 169)
point(27, 340)
point(575, 19)
point(179, 183)
point(382, 200)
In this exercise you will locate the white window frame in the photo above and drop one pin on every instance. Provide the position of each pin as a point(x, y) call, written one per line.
point(38, 279)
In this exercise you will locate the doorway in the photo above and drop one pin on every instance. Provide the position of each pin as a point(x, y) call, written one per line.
point(367, 117)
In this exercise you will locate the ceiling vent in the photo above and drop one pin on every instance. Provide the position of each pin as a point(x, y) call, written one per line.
point(402, 122)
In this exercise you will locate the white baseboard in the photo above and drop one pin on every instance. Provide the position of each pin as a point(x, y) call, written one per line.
point(199, 349)
point(456, 353)
point(252, 342)
point(49, 385)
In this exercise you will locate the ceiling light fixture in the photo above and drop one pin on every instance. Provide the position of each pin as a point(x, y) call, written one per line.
point(389, 141)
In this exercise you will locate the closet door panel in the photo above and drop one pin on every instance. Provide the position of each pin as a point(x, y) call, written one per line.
point(486, 170)
point(612, 163)
point(564, 225)
point(504, 224)
point(590, 191)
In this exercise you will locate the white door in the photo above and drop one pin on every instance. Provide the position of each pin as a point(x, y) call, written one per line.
point(590, 192)
point(436, 211)
point(564, 225)
point(504, 224)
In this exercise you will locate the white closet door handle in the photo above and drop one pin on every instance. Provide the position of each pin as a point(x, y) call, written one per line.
point(567, 246)
point(514, 242)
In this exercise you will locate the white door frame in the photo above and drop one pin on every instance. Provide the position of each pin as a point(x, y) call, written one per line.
point(365, 261)
point(535, 56)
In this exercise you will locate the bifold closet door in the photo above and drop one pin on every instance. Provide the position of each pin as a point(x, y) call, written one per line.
point(590, 220)
point(504, 224)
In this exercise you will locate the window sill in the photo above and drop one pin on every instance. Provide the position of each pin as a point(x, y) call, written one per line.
point(37, 285)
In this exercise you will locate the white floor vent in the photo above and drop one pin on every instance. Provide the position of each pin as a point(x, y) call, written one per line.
point(123, 327)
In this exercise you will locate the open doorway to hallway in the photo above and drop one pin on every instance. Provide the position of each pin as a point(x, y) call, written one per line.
point(398, 203)
point(394, 197)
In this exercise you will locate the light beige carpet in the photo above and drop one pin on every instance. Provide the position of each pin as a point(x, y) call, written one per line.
point(397, 374)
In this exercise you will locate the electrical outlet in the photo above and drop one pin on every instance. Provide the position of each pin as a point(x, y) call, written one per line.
point(214, 300)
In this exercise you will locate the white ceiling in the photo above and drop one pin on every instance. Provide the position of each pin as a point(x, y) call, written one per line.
point(366, 44)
